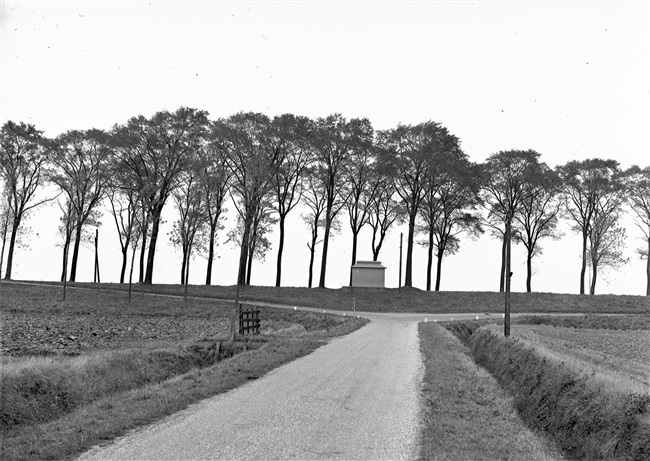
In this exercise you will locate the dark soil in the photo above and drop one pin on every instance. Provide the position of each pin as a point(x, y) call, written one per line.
point(28, 334)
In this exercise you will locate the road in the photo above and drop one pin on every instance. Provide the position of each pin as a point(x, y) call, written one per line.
point(355, 398)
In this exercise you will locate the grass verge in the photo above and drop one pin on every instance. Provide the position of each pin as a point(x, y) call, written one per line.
point(587, 418)
point(40, 389)
point(115, 415)
point(466, 414)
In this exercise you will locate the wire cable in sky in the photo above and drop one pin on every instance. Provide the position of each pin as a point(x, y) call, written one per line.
point(597, 131)
point(618, 82)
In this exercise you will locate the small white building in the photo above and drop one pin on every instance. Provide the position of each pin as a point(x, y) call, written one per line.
point(370, 274)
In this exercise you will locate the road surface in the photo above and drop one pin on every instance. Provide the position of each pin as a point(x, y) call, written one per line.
point(355, 398)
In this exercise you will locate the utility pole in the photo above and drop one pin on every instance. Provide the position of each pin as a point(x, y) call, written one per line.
point(96, 277)
point(401, 234)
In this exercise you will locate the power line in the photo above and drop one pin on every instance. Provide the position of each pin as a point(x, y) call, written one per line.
point(591, 139)
point(643, 50)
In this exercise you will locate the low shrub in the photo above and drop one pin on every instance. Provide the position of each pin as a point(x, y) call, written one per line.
point(586, 418)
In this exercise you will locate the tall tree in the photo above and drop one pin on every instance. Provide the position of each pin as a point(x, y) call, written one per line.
point(259, 244)
point(505, 183)
point(125, 204)
point(314, 198)
point(66, 231)
point(24, 154)
point(246, 139)
point(189, 230)
point(585, 184)
point(360, 187)
point(606, 239)
point(214, 174)
point(333, 141)
point(384, 210)
point(537, 217)
point(409, 151)
point(291, 134)
point(5, 220)
point(448, 209)
point(638, 199)
point(157, 150)
point(80, 169)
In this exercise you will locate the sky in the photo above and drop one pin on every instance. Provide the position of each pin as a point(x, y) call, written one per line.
point(570, 80)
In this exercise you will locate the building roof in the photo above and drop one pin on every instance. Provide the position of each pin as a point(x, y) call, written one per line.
point(368, 265)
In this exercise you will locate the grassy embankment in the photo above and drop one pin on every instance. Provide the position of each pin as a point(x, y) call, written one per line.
point(466, 414)
point(591, 410)
point(409, 300)
point(56, 406)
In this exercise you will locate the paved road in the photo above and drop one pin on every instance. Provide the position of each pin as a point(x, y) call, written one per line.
point(356, 398)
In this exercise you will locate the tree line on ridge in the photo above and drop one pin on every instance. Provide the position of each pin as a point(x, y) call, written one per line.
point(337, 168)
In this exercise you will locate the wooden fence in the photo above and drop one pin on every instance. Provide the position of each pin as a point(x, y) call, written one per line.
point(249, 321)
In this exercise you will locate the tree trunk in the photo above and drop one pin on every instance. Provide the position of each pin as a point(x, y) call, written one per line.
point(326, 240)
point(355, 236)
point(243, 254)
point(75, 252)
point(429, 260)
point(311, 263)
point(377, 249)
point(584, 262)
point(502, 275)
point(208, 273)
point(408, 277)
point(187, 276)
point(594, 273)
point(125, 259)
point(249, 267)
point(278, 273)
point(145, 228)
point(63, 261)
point(12, 246)
point(439, 267)
point(148, 278)
point(66, 251)
point(506, 324)
point(183, 264)
point(131, 274)
point(143, 252)
point(4, 241)
point(529, 271)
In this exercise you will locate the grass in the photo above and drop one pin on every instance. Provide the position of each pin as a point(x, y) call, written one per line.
point(57, 406)
point(114, 415)
point(466, 414)
point(41, 389)
point(409, 300)
point(586, 416)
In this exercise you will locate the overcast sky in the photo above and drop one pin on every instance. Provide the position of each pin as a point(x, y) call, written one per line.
point(567, 79)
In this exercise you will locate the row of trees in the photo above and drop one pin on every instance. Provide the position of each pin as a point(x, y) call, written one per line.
point(334, 167)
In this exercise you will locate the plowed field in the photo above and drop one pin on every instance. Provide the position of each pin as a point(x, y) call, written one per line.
point(619, 351)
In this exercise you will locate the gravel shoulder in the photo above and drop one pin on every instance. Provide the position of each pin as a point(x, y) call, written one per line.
point(356, 398)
